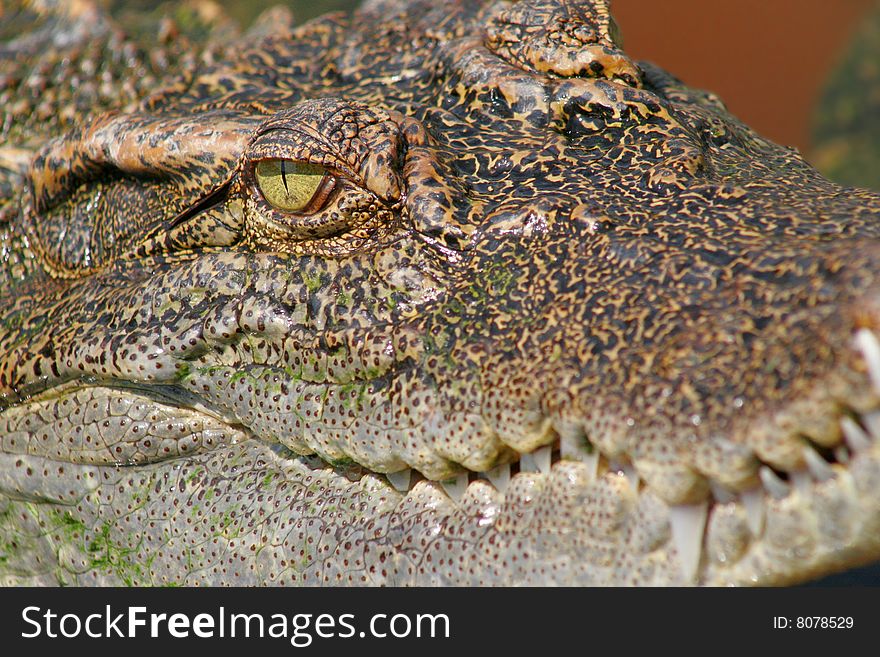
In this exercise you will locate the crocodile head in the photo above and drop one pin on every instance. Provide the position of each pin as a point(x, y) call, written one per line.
point(436, 294)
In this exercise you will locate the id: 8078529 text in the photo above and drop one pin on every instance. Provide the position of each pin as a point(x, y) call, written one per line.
point(813, 622)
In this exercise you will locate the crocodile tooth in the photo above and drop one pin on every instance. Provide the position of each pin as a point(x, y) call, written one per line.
point(456, 487)
point(688, 522)
point(802, 480)
point(542, 458)
point(499, 476)
point(841, 454)
point(628, 470)
point(855, 436)
point(773, 484)
point(721, 494)
point(574, 449)
point(632, 476)
point(753, 503)
point(400, 479)
point(592, 463)
point(867, 343)
point(818, 466)
point(872, 424)
point(527, 463)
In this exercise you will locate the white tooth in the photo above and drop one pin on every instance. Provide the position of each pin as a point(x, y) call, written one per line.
point(400, 479)
point(687, 523)
point(802, 480)
point(773, 484)
point(841, 454)
point(867, 343)
point(527, 463)
point(455, 488)
point(872, 424)
point(571, 433)
point(499, 476)
point(570, 451)
point(633, 476)
point(819, 467)
point(721, 494)
point(854, 434)
point(629, 471)
point(573, 445)
point(753, 502)
point(591, 460)
point(542, 457)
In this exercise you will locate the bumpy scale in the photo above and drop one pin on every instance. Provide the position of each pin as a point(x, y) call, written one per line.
point(440, 293)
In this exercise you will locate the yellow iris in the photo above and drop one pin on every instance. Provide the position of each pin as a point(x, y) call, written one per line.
point(288, 185)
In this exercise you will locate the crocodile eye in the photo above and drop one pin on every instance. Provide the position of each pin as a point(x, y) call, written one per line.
point(292, 186)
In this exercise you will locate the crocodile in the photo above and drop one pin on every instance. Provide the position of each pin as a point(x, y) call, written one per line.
point(435, 293)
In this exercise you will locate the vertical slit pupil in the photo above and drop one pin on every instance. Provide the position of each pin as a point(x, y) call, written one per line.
point(284, 176)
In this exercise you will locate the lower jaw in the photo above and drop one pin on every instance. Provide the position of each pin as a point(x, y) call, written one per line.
point(598, 525)
point(809, 528)
point(555, 517)
point(245, 514)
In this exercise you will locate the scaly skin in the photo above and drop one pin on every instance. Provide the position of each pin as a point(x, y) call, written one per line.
point(530, 255)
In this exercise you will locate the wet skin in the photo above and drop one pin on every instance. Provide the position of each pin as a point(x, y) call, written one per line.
point(451, 294)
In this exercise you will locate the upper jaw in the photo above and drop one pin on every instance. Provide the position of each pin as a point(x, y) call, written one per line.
point(569, 517)
point(763, 485)
point(801, 501)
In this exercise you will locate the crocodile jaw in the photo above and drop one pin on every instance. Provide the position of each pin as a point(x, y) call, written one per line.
point(202, 484)
point(245, 515)
point(565, 516)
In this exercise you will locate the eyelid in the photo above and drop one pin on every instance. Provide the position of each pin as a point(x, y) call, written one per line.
point(322, 194)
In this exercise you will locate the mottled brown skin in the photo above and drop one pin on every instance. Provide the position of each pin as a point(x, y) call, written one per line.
point(527, 240)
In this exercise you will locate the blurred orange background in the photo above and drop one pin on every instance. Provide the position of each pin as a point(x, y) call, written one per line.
point(767, 59)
